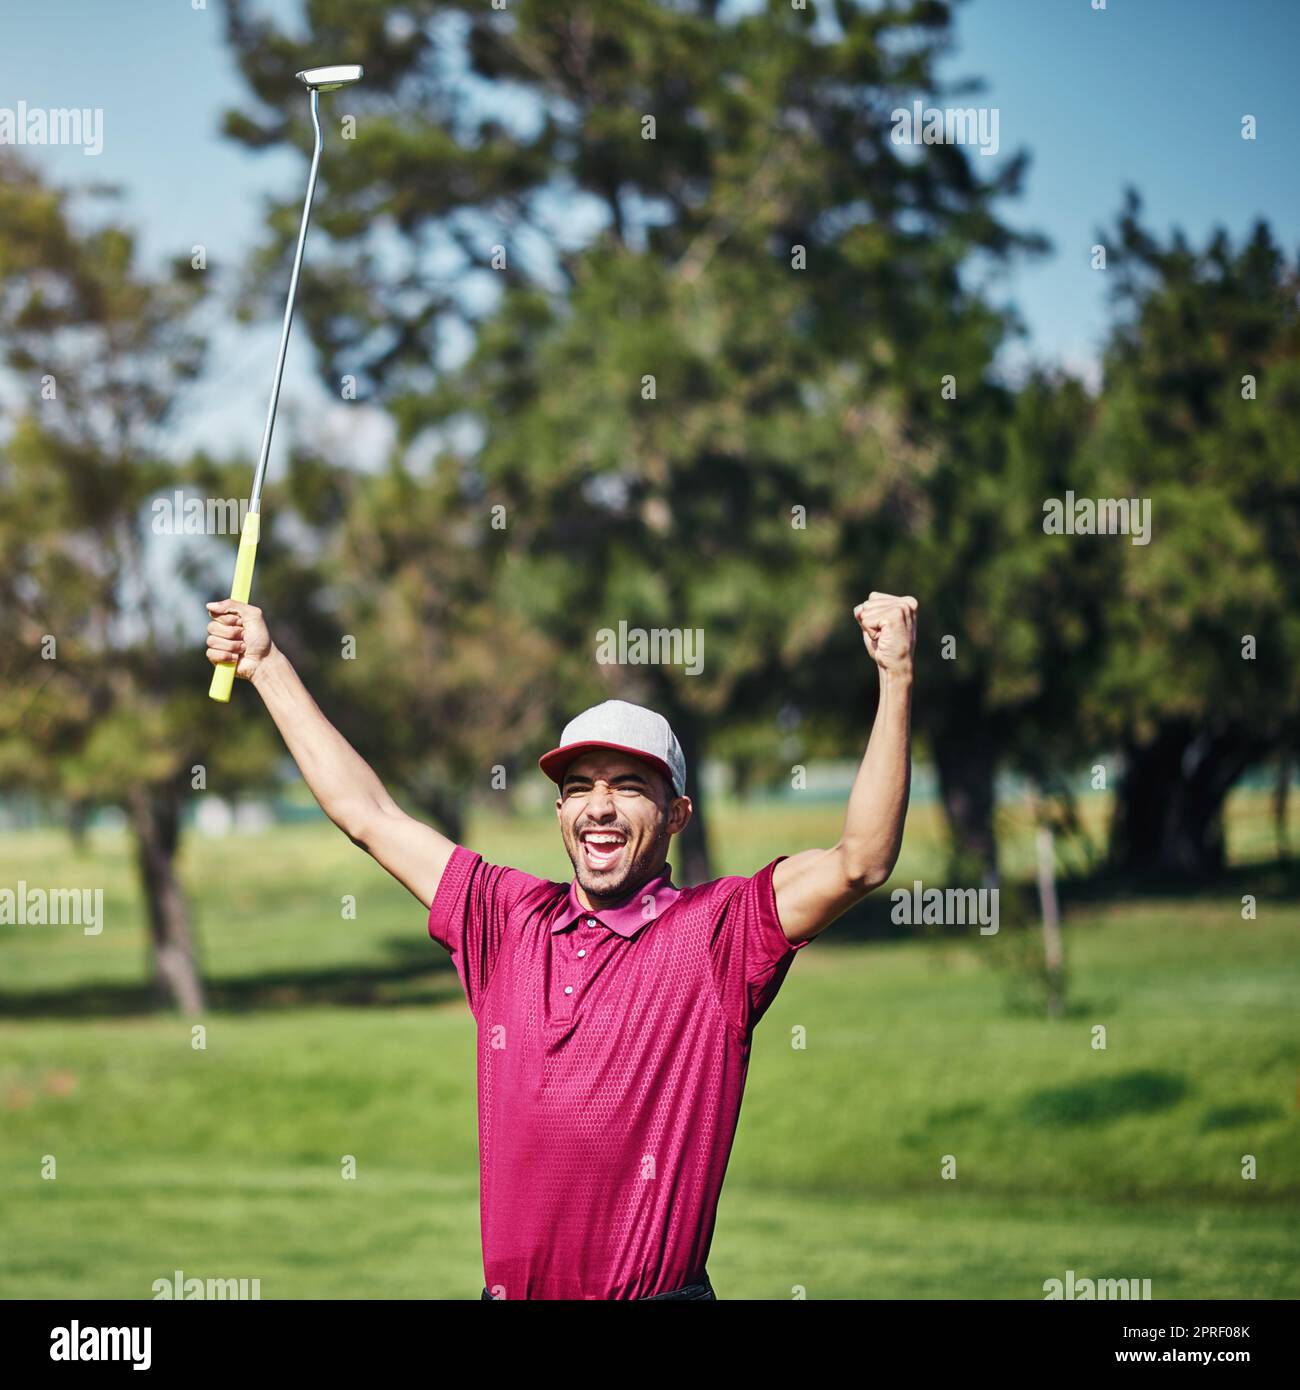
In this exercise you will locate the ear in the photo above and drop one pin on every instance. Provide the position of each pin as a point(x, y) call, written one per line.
point(679, 814)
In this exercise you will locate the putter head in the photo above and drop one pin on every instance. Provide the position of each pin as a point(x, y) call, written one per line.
point(327, 79)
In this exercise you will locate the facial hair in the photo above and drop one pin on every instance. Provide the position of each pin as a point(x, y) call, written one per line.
point(639, 869)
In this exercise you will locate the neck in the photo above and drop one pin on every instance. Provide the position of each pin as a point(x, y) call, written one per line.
point(595, 901)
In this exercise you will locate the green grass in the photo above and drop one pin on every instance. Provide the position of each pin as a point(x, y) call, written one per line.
point(331, 1036)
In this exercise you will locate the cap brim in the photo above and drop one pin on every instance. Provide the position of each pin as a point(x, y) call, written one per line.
point(555, 763)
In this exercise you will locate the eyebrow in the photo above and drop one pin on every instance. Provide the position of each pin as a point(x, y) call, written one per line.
point(621, 777)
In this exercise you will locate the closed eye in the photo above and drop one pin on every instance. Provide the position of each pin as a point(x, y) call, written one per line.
point(629, 786)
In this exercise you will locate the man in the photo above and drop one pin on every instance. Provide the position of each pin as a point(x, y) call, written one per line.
point(615, 1013)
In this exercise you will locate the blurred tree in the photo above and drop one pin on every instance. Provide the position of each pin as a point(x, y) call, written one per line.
point(1200, 417)
point(655, 283)
point(1015, 625)
point(390, 616)
point(104, 700)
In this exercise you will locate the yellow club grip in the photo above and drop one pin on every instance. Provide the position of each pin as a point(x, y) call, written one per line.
point(223, 676)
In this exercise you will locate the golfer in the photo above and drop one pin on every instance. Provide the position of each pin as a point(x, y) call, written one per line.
point(615, 1012)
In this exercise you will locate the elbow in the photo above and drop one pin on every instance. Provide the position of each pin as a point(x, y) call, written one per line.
point(869, 880)
point(863, 874)
point(357, 822)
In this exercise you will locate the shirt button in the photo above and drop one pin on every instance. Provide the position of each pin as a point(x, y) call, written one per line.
point(591, 921)
point(568, 989)
point(581, 954)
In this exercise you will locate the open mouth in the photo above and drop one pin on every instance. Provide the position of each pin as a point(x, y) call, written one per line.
point(601, 849)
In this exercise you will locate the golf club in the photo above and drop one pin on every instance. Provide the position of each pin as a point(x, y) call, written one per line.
point(316, 80)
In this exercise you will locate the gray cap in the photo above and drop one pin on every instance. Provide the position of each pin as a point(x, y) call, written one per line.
point(624, 728)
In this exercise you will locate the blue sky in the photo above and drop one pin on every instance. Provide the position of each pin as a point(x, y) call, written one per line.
point(1147, 92)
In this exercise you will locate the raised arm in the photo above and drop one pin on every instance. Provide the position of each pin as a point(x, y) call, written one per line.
point(813, 888)
point(341, 780)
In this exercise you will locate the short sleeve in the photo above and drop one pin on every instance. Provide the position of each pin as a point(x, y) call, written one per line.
point(470, 912)
point(750, 953)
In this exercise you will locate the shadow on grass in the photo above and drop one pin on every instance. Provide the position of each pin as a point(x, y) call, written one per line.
point(1239, 1116)
point(1267, 881)
point(1277, 880)
point(1087, 1104)
point(419, 975)
point(1099, 1102)
point(416, 975)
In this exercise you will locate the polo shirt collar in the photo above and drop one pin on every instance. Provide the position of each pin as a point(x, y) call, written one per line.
point(627, 916)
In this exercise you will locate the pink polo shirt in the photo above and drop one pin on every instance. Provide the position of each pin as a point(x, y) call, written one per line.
point(612, 1052)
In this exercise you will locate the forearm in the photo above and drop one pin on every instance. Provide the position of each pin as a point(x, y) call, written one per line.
point(339, 778)
point(873, 823)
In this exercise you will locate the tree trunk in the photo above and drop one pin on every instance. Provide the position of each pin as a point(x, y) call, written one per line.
point(1145, 828)
point(967, 766)
point(445, 809)
point(690, 855)
point(1281, 796)
point(78, 818)
point(1053, 946)
point(1169, 807)
point(155, 819)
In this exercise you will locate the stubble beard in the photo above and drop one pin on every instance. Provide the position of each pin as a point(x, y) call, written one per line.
point(618, 885)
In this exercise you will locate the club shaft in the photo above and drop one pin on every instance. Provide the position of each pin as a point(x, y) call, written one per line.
point(255, 497)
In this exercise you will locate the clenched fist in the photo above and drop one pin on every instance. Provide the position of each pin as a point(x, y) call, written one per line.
point(237, 632)
point(888, 625)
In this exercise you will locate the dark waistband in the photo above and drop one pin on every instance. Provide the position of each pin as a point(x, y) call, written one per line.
point(702, 1290)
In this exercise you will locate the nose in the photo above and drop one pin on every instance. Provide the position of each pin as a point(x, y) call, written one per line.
point(600, 802)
